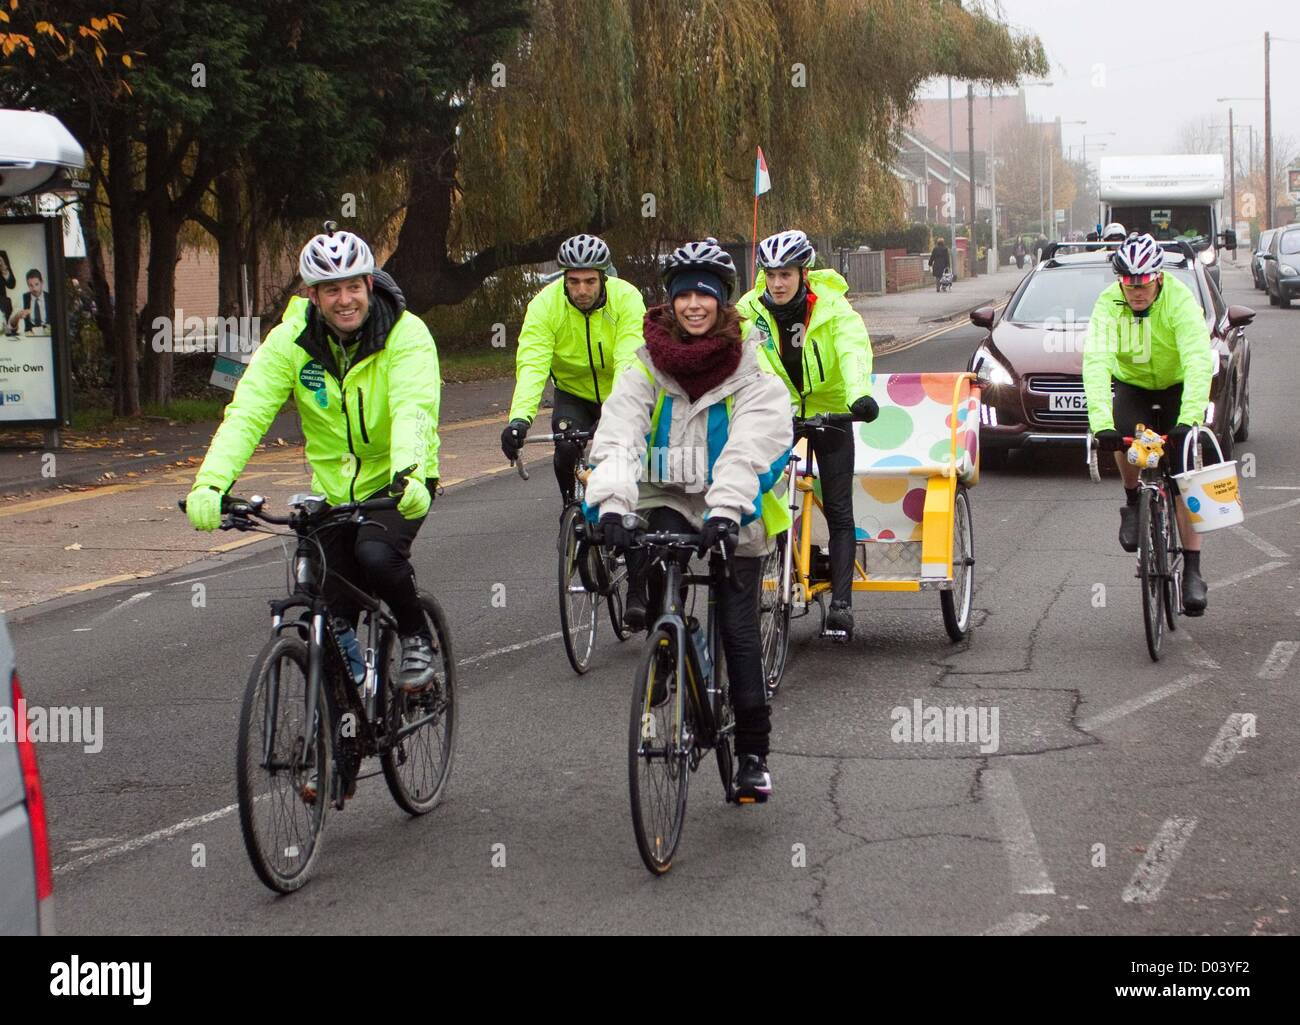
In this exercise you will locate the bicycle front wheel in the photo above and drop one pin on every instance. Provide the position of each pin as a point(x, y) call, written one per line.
point(420, 729)
point(1171, 564)
point(956, 604)
point(616, 598)
point(283, 767)
point(774, 618)
point(577, 604)
point(1149, 538)
point(658, 759)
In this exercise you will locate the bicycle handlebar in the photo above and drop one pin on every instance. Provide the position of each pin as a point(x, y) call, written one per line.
point(239, 509)
point(572, 434)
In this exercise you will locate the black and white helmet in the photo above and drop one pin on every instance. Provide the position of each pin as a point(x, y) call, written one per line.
point(1115, 232)
point(705, 255)
point(1138, 259)
point(334, 256)
point(583, 252)
point(786, 249)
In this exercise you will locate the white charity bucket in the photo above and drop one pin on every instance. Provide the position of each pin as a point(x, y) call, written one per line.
point(1210, 495)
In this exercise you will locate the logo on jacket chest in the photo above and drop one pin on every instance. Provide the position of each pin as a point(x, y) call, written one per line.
point(312, 377)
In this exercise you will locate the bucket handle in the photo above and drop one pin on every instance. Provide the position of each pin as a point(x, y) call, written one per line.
point(1197, 429)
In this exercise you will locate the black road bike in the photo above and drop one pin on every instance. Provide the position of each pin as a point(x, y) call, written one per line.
point(306, 724)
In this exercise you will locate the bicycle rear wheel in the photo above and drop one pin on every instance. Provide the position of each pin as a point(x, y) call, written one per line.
point(283, 767)
point(658, 759)
point(1149, 539)
point(420, 729)
point(774, 618)
point(577, 604)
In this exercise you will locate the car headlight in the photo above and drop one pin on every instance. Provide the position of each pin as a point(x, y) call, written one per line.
point(997, 373)
point(1288, 270)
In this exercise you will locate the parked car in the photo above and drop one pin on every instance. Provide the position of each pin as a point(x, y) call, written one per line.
point(1257, 258)
point(1282, 267)
point(26, 881)
point(1033, 354)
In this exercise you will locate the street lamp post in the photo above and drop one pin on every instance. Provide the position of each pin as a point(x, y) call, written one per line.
point(1056, 147)
point(1232, 173)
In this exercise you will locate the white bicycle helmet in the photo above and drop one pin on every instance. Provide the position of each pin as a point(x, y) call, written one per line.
point(335, 256)
point(786, 249)
point(705, 255)
point(1138, 259)
point(1115, 232)
point(583, 252)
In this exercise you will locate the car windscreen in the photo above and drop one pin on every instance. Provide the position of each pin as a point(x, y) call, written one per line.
point(1290, 243)
point(1068, 294)
point(1165, 221)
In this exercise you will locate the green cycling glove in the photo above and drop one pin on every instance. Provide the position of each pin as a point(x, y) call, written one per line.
point(203, 507)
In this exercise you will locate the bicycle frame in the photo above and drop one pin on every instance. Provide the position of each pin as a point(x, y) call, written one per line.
point(706, 700)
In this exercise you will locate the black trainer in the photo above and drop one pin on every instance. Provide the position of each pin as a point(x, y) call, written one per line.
point(634, 613)
point(1195, 593)
point(1128, 528)
point(839, 621)
point(753, 781)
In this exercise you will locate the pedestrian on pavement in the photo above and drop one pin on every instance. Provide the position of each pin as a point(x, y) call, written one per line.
point(1020, 252)
point(1040, 244)
point(939, 260)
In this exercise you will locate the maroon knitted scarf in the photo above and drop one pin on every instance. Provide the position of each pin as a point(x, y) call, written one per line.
point(697, 365)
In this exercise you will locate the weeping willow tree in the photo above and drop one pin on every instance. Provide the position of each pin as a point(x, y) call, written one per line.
point(638, 119)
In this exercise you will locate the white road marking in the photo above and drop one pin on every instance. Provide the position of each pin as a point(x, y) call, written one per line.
point(1277, 487)
point(1272, 509)
point(142, 841)
point(1237, 578)
point(1028, 873)
point(1253, 539)
point(1278, 660)
point(1197, 656)
point(509, 648)
point(1158, 863)
point(212, 816)
point(1226, 744)
point(1107, 717)
point(223, 573)
point(135, 599)
point(1016, 925)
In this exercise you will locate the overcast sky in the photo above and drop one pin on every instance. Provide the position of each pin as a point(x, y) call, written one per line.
point(1165, 63)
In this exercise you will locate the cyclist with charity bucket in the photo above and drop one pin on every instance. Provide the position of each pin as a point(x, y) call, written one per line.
point(1148, 336)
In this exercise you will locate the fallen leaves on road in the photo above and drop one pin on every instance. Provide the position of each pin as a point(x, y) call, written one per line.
point(74, 547)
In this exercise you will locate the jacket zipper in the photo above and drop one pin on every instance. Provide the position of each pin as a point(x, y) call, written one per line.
point(820, 370)
point(347, 423)
point(361, 417)
point(595, 381)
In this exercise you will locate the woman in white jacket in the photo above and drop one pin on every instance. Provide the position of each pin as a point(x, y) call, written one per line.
point(722, 434)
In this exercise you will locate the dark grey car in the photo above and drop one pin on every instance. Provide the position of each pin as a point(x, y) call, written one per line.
point(26, 882)
point(1257, 257)
point(1282, 268)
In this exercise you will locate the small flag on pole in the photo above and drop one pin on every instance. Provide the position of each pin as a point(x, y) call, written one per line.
point(762, 180)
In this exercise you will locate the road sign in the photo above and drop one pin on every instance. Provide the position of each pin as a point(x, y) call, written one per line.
point(1060, 216)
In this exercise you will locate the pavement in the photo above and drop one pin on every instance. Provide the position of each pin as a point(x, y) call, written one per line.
point(1124, 796)
point(898, 319)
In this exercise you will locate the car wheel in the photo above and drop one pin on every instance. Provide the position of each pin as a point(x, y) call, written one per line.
point(1283, 301)
point(1242, 433)
point(1272, 299)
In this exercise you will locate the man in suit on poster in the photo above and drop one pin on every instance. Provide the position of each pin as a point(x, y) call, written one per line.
point(35, 314)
